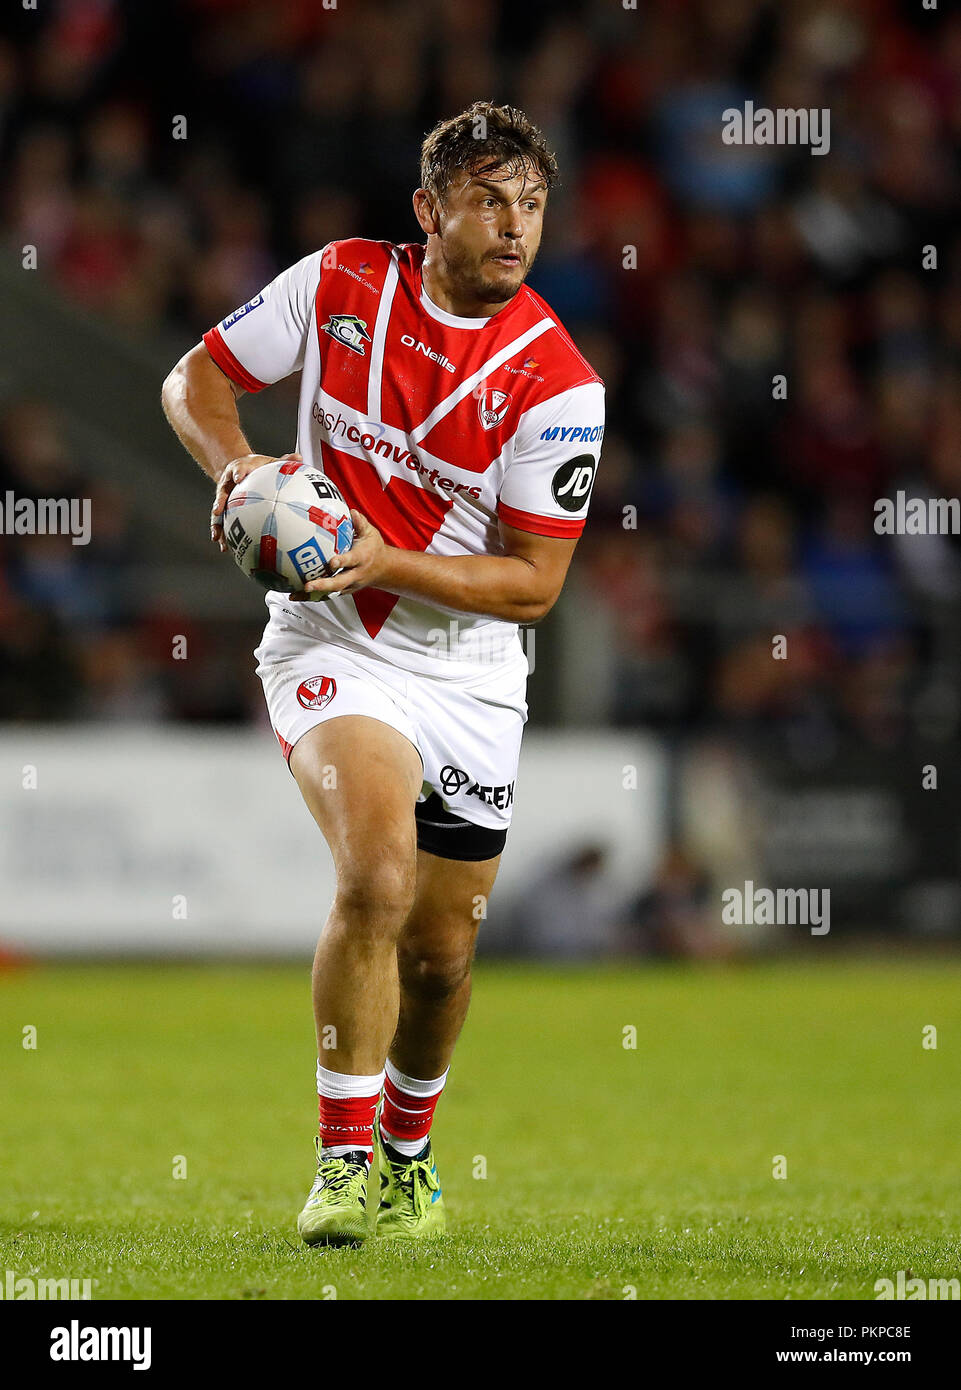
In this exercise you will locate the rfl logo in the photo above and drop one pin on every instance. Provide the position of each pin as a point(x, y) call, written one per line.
point(349, 331)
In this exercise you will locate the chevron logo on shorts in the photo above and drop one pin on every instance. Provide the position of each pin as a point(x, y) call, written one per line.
point(316, 692)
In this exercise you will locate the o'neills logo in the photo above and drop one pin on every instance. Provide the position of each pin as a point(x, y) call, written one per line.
point(316, 692)
point(437, 357)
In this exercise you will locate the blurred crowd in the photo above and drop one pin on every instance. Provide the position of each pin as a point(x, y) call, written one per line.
point(573, 911)
point(79, 636)
point(692, 274)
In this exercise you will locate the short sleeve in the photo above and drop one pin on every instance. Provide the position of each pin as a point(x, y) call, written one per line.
point(547, 486)
point(264, 340)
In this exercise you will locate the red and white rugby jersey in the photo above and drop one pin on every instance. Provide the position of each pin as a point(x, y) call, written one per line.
point(435, 427)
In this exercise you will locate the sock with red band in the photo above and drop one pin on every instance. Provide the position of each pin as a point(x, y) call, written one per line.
point(408, 1110)
point(346, 1106)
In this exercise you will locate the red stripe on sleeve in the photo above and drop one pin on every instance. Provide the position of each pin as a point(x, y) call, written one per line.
point(540, 525)
point(227, 362)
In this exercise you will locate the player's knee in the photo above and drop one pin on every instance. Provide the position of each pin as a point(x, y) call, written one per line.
point(433, 974)
point(378, 894)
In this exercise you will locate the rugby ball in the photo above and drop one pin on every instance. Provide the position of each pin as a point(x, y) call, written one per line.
point(285, 524)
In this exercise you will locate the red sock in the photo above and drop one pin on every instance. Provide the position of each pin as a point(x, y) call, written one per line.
point(407, 1113)
point(346, 1106)
point(348, 1123)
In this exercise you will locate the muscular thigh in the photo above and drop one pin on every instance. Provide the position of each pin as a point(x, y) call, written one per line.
point(360, 779)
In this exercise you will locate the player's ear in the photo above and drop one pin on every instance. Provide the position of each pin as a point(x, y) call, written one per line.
point(425, 210)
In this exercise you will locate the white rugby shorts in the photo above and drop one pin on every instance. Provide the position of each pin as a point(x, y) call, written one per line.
point(466, 727)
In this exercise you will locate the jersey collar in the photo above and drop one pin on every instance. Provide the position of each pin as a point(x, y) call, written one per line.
point(451, 320)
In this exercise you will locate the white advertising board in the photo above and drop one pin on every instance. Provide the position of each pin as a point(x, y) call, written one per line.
point(197, 842)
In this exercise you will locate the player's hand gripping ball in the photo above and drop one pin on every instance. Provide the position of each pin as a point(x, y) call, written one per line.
point(285, 523)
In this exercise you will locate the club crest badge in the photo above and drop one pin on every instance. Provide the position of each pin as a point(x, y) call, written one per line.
point(492, 406)
point(316, 692)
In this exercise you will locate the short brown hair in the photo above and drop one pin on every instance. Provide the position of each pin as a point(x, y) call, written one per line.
point(480, 140)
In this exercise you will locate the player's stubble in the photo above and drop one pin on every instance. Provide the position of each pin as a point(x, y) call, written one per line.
point(478, 277)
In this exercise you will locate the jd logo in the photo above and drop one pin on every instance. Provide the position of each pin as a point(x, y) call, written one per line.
point(349, 331)
point(571, 484)
point(316, 692)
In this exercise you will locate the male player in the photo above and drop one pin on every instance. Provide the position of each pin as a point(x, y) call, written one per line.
point(453, 411)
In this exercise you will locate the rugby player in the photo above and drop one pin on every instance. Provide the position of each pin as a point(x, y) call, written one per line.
point(457, 417)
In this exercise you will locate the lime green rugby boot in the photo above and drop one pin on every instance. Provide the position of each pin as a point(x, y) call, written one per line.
point(411, 1201)
point(335, 1212)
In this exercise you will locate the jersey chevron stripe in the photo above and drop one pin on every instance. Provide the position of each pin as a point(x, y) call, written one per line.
point(443, 431)
point(375, 372)
point(467, 386)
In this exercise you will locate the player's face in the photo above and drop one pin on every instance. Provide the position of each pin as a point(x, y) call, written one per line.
point(490, 229)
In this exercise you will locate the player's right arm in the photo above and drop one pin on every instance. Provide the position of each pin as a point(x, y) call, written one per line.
point(200, 403)
point(258, 344)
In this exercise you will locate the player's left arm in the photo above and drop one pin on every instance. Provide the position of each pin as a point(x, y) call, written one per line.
point(520, 586)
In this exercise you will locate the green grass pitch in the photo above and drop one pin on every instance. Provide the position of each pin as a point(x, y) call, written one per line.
point(609, 1169)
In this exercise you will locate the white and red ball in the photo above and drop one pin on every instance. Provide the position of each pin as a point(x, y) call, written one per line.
point(285, 524)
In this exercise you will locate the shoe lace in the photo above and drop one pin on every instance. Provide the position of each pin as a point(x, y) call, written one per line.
point(339, 1175)
point(417, 1181)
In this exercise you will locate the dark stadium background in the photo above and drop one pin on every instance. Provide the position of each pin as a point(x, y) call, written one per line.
point(754, 515)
